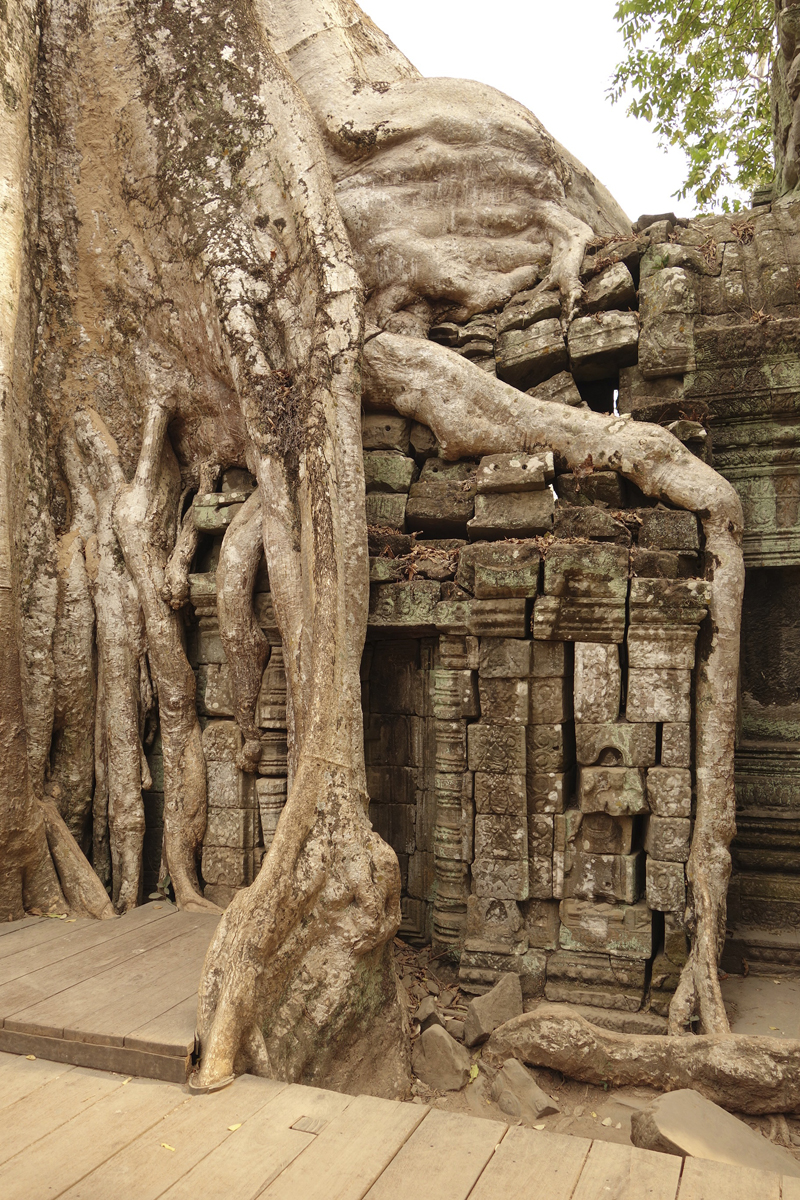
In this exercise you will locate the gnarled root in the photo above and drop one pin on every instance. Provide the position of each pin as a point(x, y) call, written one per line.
point(94, 475)
point(741, 1072)
point(328, 895)
point(82, 889)
point(176, 574)
point(246, 648)
point(474, 414)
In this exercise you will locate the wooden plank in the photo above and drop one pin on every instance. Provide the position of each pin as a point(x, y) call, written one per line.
point(84, 1142)
point(78, 939)
point(443, 1158)
point(40, 1112)
point(706, 1180)
point(13, 926)
point(349, 1155)
point(171, 1032)
point(41, 930)
point(146, 1168)
point(19, 1076)
point(131, 994)
point(243, 1165)
point(628, 1173)
point(169, 1068)
point(528, 1163)
point(48, 1000)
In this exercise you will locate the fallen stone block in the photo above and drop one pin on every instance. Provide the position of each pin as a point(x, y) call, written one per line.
point(612, 288)
point(686, 1124)
point(560, 389)
point(517, 1094)
point(439, 1061)
point(495, 1007)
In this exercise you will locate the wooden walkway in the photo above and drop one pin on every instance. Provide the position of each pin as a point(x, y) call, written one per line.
point(88, 1135)
point(119, 995)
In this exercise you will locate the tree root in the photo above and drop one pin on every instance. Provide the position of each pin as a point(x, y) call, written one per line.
point(474, 414)
point(246, 648)
point(82, 890)
point(741, 1072)
point(176, 574)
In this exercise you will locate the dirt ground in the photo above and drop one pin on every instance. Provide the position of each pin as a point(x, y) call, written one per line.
point(757, 1004)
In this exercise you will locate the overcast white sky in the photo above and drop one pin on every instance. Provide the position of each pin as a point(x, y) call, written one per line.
point(557, 57)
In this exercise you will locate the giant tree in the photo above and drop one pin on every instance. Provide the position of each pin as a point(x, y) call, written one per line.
point(225, 226)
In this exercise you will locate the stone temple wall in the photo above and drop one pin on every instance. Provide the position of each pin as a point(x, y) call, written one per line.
point(527, 681)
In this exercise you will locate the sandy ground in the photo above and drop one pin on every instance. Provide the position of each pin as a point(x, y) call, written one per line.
point(757, 1004)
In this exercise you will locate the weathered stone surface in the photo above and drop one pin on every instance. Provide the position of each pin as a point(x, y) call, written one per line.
point(214, 517)
point(441, 470)
point(516, 1094)
point(512, 514)
point(668, 303)
point(386, 510)
point(549, 748)
point(500, 837)
point(669, 791)
point(496, 748)
point(550, 700)
point(451, 747)
point(541, 923)
point(540, 856)
point(666, 886)
point(423, 440)
point(388, 471)
point(589, 522)
point(504, 658)
point(603, 487)
point(385, 431)
point(426, 1013)
point(438, 1060)
point(526, 357)
point(500, 794)
point(579, 619)
point(676, 745)
point(668, 529)
point(487, 1012)
point(552, 658)
point(528, 308)
point(501, 473)
point(498, 618)
point(686, 1124)
point(669, 838)
point(623, 930)
point(606, 877)
point(504, 701)
point(612, 288)
point(676, 938)
point(549, 791)
point(590, 572)
point(440, 508)
point(662, 647)
point(603, 834)
point(407, 606)
point(495, 569)
point(598, 682)
point(659, 695)
point(618, 791)
point(566, 827)
point(480, 969)
point(396, 825)
point(599, 979)
point(600, 345)
point(633, 745)
point(669, 601)
point(560, 389)
point(454, 694)
point(663, 564)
